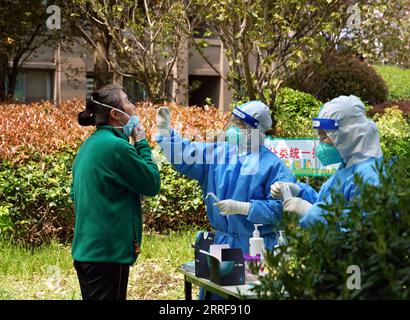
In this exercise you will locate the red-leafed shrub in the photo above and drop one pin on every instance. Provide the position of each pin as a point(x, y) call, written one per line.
point(191, 122)
point(38, 143)
point(43, 128)
point(39, 128)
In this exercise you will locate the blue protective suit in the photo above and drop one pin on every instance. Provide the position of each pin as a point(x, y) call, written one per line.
point(357, 141)
point(243, 178)
point(341, 182)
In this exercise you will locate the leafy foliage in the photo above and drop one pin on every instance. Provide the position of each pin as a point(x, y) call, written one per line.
point(194, 123)
point(145, 38)
point(35, 199)
point(341, 74)
point(394, 132)
point(267, 41)
point(382, 32)
point(371, 232)
point(23, 30)
point(294, 113)
point(39, 129)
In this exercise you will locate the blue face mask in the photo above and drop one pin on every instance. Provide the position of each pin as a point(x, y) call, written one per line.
point(132, 123)
point(327, 154)
point(234, 135)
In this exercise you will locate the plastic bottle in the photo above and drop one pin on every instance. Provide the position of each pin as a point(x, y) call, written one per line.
point(282, 239)
point(286, 193)
point(256, 244)
point(282, 242)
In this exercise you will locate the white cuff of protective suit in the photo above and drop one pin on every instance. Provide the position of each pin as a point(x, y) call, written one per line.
point(297, 205)
point(163, 132)
point(229, 206)
point(276, 191)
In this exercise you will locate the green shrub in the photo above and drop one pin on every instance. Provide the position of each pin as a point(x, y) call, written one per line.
point(35, 203)
point(294, 111)
point(34, 199)
point(394, 132)
point(179, 203)
point(341, 74)
point(315, 264)
point(398, 81)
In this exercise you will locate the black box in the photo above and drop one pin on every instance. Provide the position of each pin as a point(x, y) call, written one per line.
point(231, 270)
point(228, 272)
point(203, 242)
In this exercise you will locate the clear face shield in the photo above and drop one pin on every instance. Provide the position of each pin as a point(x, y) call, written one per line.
point(325, 150)
point(234, 122)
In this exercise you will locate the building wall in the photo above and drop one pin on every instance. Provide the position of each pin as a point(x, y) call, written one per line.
point(73, 72)
point(69, 75)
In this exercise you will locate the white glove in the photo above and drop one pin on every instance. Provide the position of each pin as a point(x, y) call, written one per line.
point(298, 205)
point(163, 117)
point(138, 133)
point(229, 206)
point(277, 193)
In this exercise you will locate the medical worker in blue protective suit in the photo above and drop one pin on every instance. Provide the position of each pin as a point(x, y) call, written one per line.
point(239, 170)
point(346, 137)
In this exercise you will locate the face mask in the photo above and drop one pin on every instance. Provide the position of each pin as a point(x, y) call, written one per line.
point(234, 135)
point(132, 123)
point(127, 128)
point(327, 154)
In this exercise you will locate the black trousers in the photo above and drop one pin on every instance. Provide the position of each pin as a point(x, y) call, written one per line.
point(102, 281)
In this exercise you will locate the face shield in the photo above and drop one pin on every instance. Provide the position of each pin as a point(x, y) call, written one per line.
point(322, 125)
point(326, 152)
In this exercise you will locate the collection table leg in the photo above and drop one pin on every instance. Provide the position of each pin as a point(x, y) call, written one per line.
point(188, 289)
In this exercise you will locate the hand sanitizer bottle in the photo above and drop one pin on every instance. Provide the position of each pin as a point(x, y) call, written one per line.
point(256, 244)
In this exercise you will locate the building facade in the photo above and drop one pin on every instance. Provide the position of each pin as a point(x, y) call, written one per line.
point(58, 75)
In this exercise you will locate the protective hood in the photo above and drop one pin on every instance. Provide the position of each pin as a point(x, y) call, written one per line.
point(256, 115)
point(357, 137)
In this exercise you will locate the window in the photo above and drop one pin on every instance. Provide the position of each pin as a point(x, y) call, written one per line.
point(134, 90)
point(38, 85)
point(34, 85)
point(203, 89)
point(89, 83)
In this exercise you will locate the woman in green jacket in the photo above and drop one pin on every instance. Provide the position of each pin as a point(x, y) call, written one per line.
point(109, 176)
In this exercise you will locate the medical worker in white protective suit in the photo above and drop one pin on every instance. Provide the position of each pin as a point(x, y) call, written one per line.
point(347, 137)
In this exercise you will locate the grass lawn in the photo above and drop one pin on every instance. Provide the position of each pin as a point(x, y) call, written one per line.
point(48, 272)
point(397, 80)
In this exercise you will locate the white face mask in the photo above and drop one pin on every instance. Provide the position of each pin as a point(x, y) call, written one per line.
point(127, 128)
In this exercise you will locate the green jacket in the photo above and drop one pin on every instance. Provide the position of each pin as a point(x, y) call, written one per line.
point(109, 175)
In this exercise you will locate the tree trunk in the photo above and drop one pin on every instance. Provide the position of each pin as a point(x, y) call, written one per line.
point(12, 80)
point(101, 55)
point(272, 131)
point(3, 72)
point(250, 88)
